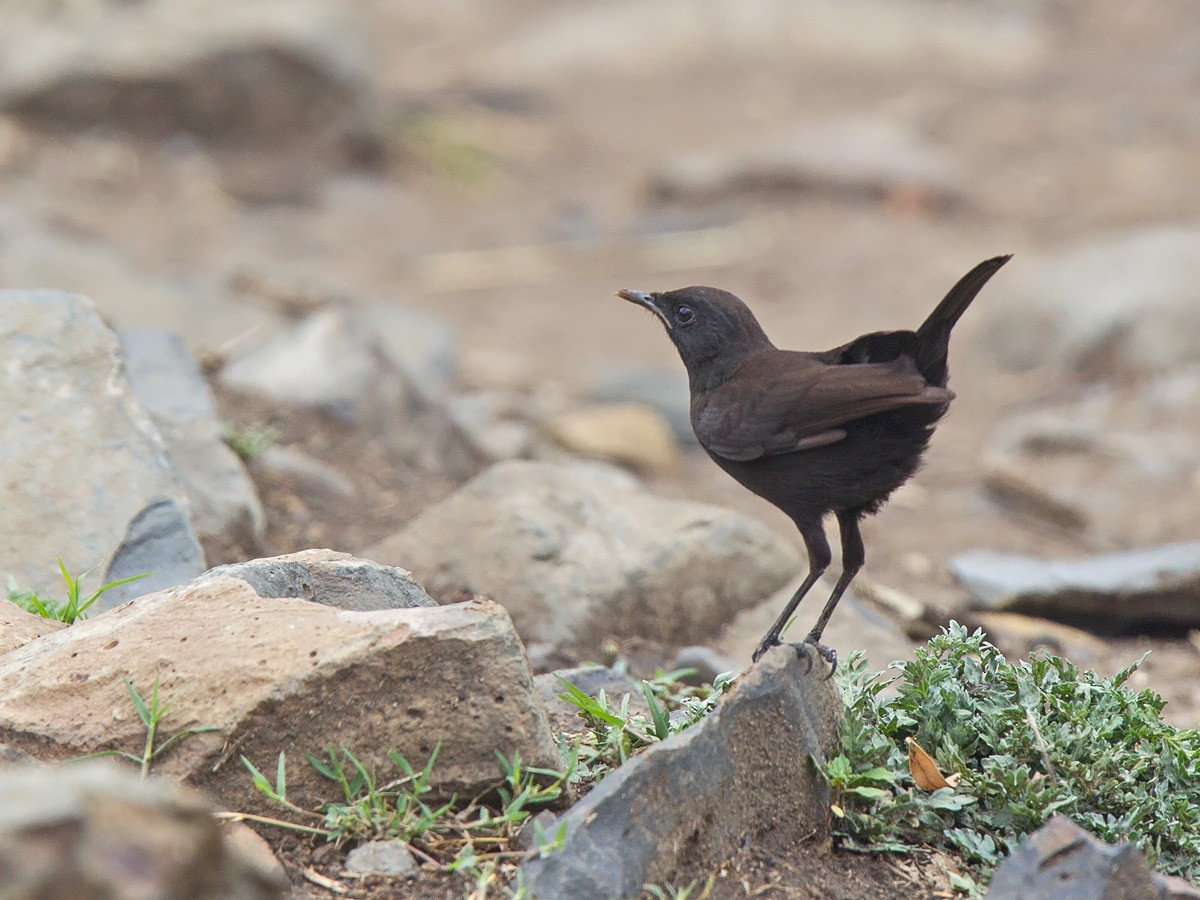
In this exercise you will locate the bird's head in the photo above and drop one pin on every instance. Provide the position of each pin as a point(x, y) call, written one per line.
point(712, 329)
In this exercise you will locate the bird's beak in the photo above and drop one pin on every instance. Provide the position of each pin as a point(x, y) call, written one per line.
point(642, 298)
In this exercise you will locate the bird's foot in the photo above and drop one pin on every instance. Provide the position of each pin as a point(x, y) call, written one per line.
point(827, 653)
point(767, 643)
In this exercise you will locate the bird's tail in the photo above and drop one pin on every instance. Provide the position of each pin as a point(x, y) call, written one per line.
point(934, 334)
point(960, 296)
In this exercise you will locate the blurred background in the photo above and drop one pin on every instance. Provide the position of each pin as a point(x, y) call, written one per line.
point(493, 171)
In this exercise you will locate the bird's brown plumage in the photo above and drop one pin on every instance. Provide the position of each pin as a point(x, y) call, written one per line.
point(800, 402)
point(814, 433)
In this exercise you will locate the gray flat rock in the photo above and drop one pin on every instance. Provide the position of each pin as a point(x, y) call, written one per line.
point(328, 577)
point(1115, 590)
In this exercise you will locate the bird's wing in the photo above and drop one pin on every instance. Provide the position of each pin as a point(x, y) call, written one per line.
point(784, 402)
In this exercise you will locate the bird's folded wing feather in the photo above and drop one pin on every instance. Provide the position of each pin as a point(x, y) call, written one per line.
point(784, 402)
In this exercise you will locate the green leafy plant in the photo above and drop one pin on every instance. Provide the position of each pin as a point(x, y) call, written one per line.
point(444, 148)
point(611, 734)
point(250, 441)
point(473, 838)
point(670, 892)
point(76, 605)
point(151, 713)
point(1029, 739)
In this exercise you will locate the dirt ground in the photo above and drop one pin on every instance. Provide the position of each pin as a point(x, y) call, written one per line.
point(1065, 120)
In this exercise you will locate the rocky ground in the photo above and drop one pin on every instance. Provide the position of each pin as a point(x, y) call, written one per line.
point(373, 251)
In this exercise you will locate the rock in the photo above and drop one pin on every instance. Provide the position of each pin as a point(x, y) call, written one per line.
point(1112, 592)
point(546, 658)
point(328, 361)
point(854, 35)
point(527, 835)
point(577, 552)
point(422, 346)
point(1016, 487)
point(1021, 635)
point(1061, 861)
point(916, 619)
point(876, 158)
point(1172, 887)
point(282, 75)
point(666, 390)
point(160, 545)
point(629, 434)
point(685, 805)
point(496, 370)
point(18, 627)
point(328, 577)
point(388, 858)
point(11, 756)
point(169, 385)
point(333, 361)
point(1120, 462)
point(200, 309)
point(294, 464)
point(492, 421)
point(101, 831)
point(564, 716)
point(1124, 301)
point(252, 847)
point(854, 626)
point(281, 675)
point(86, 472)
point(707, 662)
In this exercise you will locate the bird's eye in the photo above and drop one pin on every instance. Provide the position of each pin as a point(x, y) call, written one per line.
point(684, 315)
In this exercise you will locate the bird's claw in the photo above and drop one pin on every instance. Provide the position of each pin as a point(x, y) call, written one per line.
point(766, 645)
point(826, 653)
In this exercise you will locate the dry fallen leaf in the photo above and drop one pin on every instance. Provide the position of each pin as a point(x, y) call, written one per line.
point(925, 771)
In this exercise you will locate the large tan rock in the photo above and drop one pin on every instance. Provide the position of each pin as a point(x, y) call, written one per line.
point(577, 552)
point(18, 627)
point(281, 675)
point(97, 830)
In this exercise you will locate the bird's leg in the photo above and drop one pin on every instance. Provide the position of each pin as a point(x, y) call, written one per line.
point(853, 557)
point(818, 561)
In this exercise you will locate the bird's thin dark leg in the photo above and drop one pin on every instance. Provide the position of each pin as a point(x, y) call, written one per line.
point(819, 558)
point(853, 557)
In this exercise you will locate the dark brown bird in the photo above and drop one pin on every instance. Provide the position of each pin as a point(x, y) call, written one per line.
point(813, 433)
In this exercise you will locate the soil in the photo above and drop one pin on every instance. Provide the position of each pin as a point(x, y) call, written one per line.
point(1094, 130)
point(814, 872)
